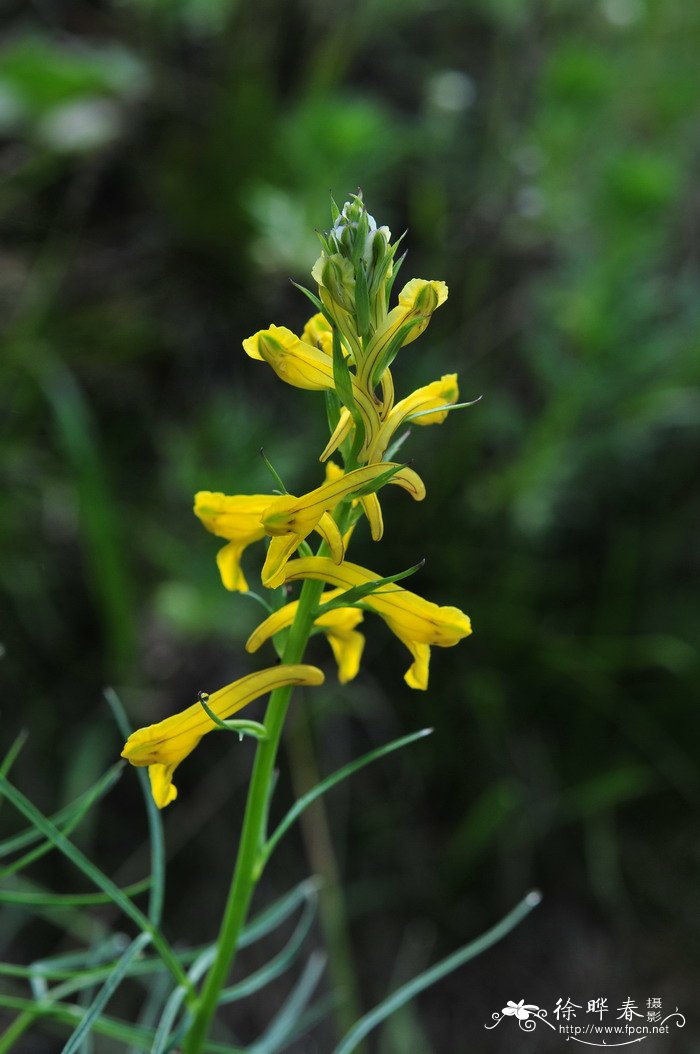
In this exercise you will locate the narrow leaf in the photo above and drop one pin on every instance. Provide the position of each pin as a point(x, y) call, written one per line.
point(441, 409)
point(330, 781)
point(273, 472)
point(77, 857)
point(413, 988)
point(357, 593)
point(106, 992)
point(155, 822)
point(275, 1038)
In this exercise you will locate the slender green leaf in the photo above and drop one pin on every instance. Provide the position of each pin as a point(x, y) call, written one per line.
point(342, 377)
point(67, 900)
point(260, 600)
point(377, 483)
point(163, 1038)
point(273, 472)
point(393, 347)
point(155, 822)
point(23, 805)
point(273, 916)
point(275, 1037)
point(332, 410)
point(357, 593)
point(330, 781)
point(31, 835)
point(86, 801)
point(430, 977)
point(276, 966)
point(106, 992)
point(314, 300)
point(362, 315)
point(441, 409)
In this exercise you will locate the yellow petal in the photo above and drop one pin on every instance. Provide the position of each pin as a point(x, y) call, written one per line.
point(329, 531)
point(293, 360)
point(340, 433)
point(301, 515)
point(164, 745)
point(234, 517)
point(228, 560)
point(339, 626)
point(416, 676)
point(373, 512)
point(433, 395)
point(417, 301)
point(163, 789)
point(278, 553)
point(319, 334)
point(347, 650)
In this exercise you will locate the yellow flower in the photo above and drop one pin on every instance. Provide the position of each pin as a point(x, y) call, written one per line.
point(164, 745)
point(304, 365)
point(239, 518)
point(319, 334)
point(418, 623)
point(290, 519)
point(338, 625)
point(236, 518)
point(295, 361)
point(417, 301)
point(431, 396)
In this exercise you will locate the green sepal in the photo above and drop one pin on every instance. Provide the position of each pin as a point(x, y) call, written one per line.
point(441, 409)
point(358, 593)
point(397, 266)
point(342, 379)
point(312, 297)
point(273, 472)
point(393, 347)
point(375, 484)
point(362, 316)
point(332, 410)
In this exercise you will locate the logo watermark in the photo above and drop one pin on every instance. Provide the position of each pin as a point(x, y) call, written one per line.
point(599, 1024)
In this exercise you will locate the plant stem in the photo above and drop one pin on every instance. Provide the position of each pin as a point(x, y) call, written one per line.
point(248, 861)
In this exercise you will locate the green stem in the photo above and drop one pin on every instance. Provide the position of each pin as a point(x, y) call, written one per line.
point(249, 861)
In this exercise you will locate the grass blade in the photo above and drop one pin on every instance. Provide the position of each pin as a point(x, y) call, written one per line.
point(23, 805)
point(97, 791)
point(155, 823)
point(413, 988)
point(275, 1038)
point(330, 781)
point(278, 964)
point(106, 992)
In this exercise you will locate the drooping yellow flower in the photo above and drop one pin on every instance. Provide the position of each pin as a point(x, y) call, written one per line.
point(417, 622)
point(164, 745)
point(338, 625)
point(290, 519)
point(431, 396)
point(304, 365)
point(319, 334)
point(239, 518)
point(236, 518)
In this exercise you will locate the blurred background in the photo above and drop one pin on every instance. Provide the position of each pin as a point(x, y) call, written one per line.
point(164, 167)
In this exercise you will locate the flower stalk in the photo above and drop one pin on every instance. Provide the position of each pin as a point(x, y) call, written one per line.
point(250, 858)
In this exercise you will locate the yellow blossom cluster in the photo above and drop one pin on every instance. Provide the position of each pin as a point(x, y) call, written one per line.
point(345, 350)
